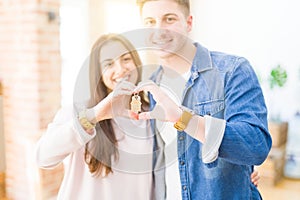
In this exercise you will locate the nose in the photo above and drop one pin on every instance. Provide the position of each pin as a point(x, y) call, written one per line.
point(158, 24)
point(120, 70)
point(159, 33)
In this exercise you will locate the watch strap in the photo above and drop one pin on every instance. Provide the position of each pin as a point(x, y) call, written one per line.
point(185, 117)
point(85, 123)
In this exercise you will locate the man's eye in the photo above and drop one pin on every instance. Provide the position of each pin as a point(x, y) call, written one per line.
point(170, 19)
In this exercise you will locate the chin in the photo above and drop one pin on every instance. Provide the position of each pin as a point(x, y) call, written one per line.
point(163, 53)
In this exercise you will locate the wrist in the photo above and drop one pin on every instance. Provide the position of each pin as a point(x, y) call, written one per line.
point(86, 124)
point(183, 120)
point(90, 114)
point(178, 114)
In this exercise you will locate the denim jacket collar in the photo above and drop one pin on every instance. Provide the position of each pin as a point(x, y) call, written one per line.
point(202, 62)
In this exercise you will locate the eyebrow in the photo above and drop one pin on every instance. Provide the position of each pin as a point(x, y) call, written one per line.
point(110, 59)
point(105, 61)
point(170, 14)
point(165, 15)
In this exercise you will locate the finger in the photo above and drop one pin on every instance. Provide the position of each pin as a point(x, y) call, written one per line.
point(145, 115)
point(121, 93)
point(133, 115)
point(125, 85)
point(156, 113)
point(129, 114)
point(255, 178)
point(254, 175)
point(159, 113)
point(124, 89)
point(144, 86)
point(255, 183)
point(129, 84)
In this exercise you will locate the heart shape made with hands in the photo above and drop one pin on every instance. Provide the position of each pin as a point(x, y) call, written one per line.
point(165, 108)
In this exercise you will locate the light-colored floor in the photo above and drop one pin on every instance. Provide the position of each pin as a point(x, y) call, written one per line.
point(285, 189)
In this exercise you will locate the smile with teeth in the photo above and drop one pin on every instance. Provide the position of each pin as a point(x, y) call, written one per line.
point(119, 79)
point(162, 42)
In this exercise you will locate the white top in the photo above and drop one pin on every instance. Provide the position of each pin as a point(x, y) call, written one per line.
point(174, 85)
point(132, 175)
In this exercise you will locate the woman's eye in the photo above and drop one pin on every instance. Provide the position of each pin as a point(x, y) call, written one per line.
point(149, 22)
point(107, 65)
point(126, 59)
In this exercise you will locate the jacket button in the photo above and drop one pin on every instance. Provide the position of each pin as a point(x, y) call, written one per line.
point(184, 187)
point(181, 138)
point(194, 74)
point(181, 162)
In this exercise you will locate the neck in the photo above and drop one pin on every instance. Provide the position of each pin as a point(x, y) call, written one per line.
point(181, 61)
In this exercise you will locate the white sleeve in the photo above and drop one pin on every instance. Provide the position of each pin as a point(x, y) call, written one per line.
point(214, 132)
point(63, 136)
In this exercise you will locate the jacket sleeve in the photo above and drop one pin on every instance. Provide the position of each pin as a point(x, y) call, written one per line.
point(63, 136)
point(246, 138)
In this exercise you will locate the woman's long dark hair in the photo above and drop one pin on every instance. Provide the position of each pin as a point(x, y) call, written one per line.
point(100, 151)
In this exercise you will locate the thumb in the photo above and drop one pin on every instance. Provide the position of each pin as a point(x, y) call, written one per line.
point(129, 114)
point(157, 113)
point(145, 115)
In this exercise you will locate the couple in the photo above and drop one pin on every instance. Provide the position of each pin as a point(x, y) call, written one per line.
point(220, 119)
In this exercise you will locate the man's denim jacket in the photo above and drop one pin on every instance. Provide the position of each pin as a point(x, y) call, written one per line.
point(226, 87)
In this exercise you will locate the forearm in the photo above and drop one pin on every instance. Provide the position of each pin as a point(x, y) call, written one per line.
point(244, 143)
point(210, 132)
point(101, 111)
point(237, 142)
point(246, 139)
point(61, 138)
point(196, 128)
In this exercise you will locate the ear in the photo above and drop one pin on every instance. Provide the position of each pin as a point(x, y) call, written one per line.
point(189, 23)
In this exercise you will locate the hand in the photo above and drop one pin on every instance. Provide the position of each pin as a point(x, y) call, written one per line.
point(165, 109)
point(255, 178)
point(116, 103)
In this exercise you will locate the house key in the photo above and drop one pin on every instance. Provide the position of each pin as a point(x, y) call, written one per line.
point(136, 103)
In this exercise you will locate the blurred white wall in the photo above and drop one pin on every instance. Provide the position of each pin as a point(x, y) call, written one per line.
point(74, 40)
point(265, 32)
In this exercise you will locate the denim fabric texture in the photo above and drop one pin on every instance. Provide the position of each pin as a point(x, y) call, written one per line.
point(226, 87)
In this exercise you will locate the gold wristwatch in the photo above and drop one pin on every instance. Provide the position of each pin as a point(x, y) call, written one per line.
point(85, 123)
point(184, 119)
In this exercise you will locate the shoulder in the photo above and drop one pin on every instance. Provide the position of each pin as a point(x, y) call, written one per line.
point(64, 114)
point(228, 62)
point(216, 60)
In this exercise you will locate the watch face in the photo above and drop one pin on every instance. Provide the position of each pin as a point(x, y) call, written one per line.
point(179, 126)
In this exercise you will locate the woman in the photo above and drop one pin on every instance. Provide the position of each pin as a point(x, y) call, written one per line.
point(106, 155)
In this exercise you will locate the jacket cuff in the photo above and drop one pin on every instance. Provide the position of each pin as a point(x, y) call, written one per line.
point(214, 132)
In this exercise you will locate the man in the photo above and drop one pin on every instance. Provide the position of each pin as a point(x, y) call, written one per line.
point(218, 108)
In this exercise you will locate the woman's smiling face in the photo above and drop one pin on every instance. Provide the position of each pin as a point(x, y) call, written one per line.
point(116, 64)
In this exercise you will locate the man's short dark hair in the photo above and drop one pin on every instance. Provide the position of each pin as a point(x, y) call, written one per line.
point(185, 4)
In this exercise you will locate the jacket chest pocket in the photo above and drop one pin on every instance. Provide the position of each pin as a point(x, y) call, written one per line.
point(213, 108)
